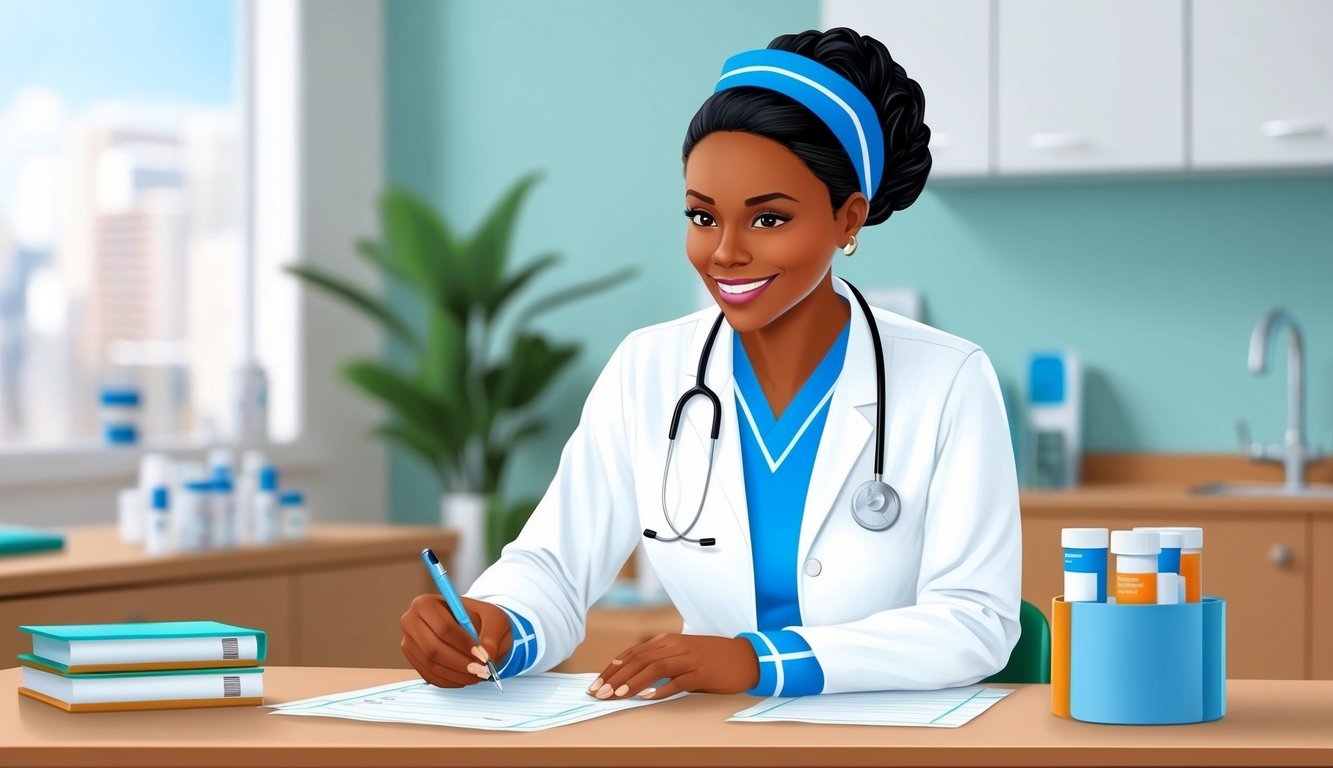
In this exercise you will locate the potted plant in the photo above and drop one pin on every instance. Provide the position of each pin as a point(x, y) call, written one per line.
point(463, 400)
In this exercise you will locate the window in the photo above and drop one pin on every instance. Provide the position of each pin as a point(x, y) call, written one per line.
point(123, 216)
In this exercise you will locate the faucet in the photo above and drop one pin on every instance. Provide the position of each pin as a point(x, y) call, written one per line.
point(1294, 453)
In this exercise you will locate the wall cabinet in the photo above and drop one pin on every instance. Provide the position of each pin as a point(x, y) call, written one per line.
point(1030, 88)
point(1321, 598)
point(1089, 86)
point(945, 47)
point(1262, 91)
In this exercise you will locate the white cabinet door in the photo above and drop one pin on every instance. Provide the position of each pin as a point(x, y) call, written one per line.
point(944, 45)
point(1262, 83)
point(1092, 85)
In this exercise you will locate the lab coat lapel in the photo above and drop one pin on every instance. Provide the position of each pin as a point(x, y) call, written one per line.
point(728, 475)
point(850, 424)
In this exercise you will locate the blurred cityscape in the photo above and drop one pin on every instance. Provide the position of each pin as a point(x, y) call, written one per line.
point(119, 240)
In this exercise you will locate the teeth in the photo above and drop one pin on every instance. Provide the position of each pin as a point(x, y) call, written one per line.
point(743, 287)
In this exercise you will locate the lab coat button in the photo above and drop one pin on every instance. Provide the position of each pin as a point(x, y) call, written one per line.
point(813, 567)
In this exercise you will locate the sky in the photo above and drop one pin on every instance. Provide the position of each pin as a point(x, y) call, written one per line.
point(133, 50)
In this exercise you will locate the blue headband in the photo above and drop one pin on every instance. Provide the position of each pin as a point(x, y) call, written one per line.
point(833, 99)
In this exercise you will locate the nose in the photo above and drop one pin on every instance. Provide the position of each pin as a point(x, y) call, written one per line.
point(731, 251)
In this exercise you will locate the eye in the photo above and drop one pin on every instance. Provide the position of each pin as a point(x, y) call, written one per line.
point(699, 218)
point(770, 220)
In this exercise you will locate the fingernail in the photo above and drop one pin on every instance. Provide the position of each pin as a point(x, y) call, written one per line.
point(480, 653)
point(617, 662)
point(595, 685)
point(622, 690)
point(604, 692)
point(478, 670)
point(647, 693)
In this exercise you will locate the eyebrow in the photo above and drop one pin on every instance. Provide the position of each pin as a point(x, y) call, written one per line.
point(751, 201)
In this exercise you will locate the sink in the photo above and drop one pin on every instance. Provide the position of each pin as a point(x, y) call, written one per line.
point(1271, 490)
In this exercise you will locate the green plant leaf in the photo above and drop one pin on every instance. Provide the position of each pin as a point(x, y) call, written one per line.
point(515, 283)
point(400, 393)
point(445, 358)
point(488, 249)
point(420, 442)
point(419, 245)
point(574, 293)
point(356, 297)
point(504, 522)
point(532, 365)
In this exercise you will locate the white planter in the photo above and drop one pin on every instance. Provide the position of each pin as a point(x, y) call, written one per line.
point(466, 513)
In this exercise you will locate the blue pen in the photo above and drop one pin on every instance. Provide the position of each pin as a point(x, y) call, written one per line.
point(455, 602)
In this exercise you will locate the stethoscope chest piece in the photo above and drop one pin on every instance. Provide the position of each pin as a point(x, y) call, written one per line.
point(876, 505)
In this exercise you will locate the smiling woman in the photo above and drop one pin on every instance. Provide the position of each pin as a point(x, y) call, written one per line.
point(804, 556)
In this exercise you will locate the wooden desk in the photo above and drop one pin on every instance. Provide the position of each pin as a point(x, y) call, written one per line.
point(1268, 723)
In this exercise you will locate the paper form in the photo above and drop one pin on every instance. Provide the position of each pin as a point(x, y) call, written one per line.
point(529, 703)
point(945, 708)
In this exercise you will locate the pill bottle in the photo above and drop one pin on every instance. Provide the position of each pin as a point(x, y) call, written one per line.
point(1085, 564)
point(1135, 566)
point(193, 515)
point(265, 508)
point(157, 527)
point(1191, 558)
point(222, 528)
point(294, 515)
point(1170, 589)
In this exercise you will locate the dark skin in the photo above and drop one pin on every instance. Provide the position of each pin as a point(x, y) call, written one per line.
point(756, 211)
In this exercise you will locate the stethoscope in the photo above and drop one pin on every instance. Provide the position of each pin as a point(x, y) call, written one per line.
point(875, 505)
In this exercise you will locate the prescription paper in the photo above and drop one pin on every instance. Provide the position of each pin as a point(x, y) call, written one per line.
point(945, 708)
point(528, 703)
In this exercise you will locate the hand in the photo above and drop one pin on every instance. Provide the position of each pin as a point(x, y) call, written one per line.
point(691, 662)
point(442, 651)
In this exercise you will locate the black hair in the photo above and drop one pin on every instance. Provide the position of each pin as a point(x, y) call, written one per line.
point(866, 63)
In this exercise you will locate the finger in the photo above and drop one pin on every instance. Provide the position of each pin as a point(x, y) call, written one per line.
point(435, 674)
point(645, 668)
point(651, 645)
point(437, 616)
point(675, 685)
point(432, 647)
point(492, 636)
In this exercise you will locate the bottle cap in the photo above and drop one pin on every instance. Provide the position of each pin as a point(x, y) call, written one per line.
point(199, 486)
point(1135, 543)
point(292, 498)
point(1192, 537)
point(160, 497)
point(126, 397)
point(268, 478)
point(1084, 538)
point(1170, 539)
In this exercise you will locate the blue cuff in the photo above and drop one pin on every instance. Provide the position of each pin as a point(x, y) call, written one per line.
point(787, 666)
point(523, 650)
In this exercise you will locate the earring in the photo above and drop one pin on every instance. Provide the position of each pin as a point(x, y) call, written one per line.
point(850, 247)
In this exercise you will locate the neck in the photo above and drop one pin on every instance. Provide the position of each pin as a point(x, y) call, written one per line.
point(785, 352)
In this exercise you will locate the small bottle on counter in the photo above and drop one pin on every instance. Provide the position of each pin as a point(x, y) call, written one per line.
point(295, 517)
point(1135, 566)
point(193, 515)
point(1085, 564)
point(265, 507)
point(157, 528)
point(222, 527)
point(1170, 589)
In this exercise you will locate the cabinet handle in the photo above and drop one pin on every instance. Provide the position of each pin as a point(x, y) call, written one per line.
point(1286, 129)
point(1280, 555)
point(1057, 140)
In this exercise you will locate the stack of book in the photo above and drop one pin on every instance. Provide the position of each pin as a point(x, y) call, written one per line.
point(150, 665)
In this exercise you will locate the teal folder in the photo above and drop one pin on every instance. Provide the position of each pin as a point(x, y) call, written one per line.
point(16, 540)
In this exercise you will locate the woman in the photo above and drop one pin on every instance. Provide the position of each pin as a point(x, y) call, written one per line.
point(792, 574)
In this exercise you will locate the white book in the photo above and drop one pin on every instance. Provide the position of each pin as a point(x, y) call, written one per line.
point(146, 690)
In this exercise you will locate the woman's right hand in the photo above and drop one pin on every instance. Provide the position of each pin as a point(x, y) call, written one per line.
point(442, 651)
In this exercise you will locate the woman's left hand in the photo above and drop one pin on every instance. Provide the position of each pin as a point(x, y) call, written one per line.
point(689, 662)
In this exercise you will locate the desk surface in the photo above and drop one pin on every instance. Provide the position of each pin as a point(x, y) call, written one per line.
point(1284, 722)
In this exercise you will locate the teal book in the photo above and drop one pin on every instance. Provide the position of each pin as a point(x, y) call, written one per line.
point(143, 646)
point(17, 540)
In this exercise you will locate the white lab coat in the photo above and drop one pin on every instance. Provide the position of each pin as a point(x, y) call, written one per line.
point(931, 602)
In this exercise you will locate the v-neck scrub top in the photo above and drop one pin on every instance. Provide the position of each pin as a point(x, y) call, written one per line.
point(777, 456)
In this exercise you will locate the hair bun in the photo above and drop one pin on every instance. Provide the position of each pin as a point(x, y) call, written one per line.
point(897, 99)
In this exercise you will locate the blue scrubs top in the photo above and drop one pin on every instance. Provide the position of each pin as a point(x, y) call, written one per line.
point(777, 457)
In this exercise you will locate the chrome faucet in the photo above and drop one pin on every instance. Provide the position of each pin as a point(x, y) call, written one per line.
point(1294, 453)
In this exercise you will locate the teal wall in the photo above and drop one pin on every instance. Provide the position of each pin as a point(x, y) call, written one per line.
point(1156, 283)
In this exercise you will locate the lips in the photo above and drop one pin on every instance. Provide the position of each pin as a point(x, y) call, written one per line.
point(741, 290)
